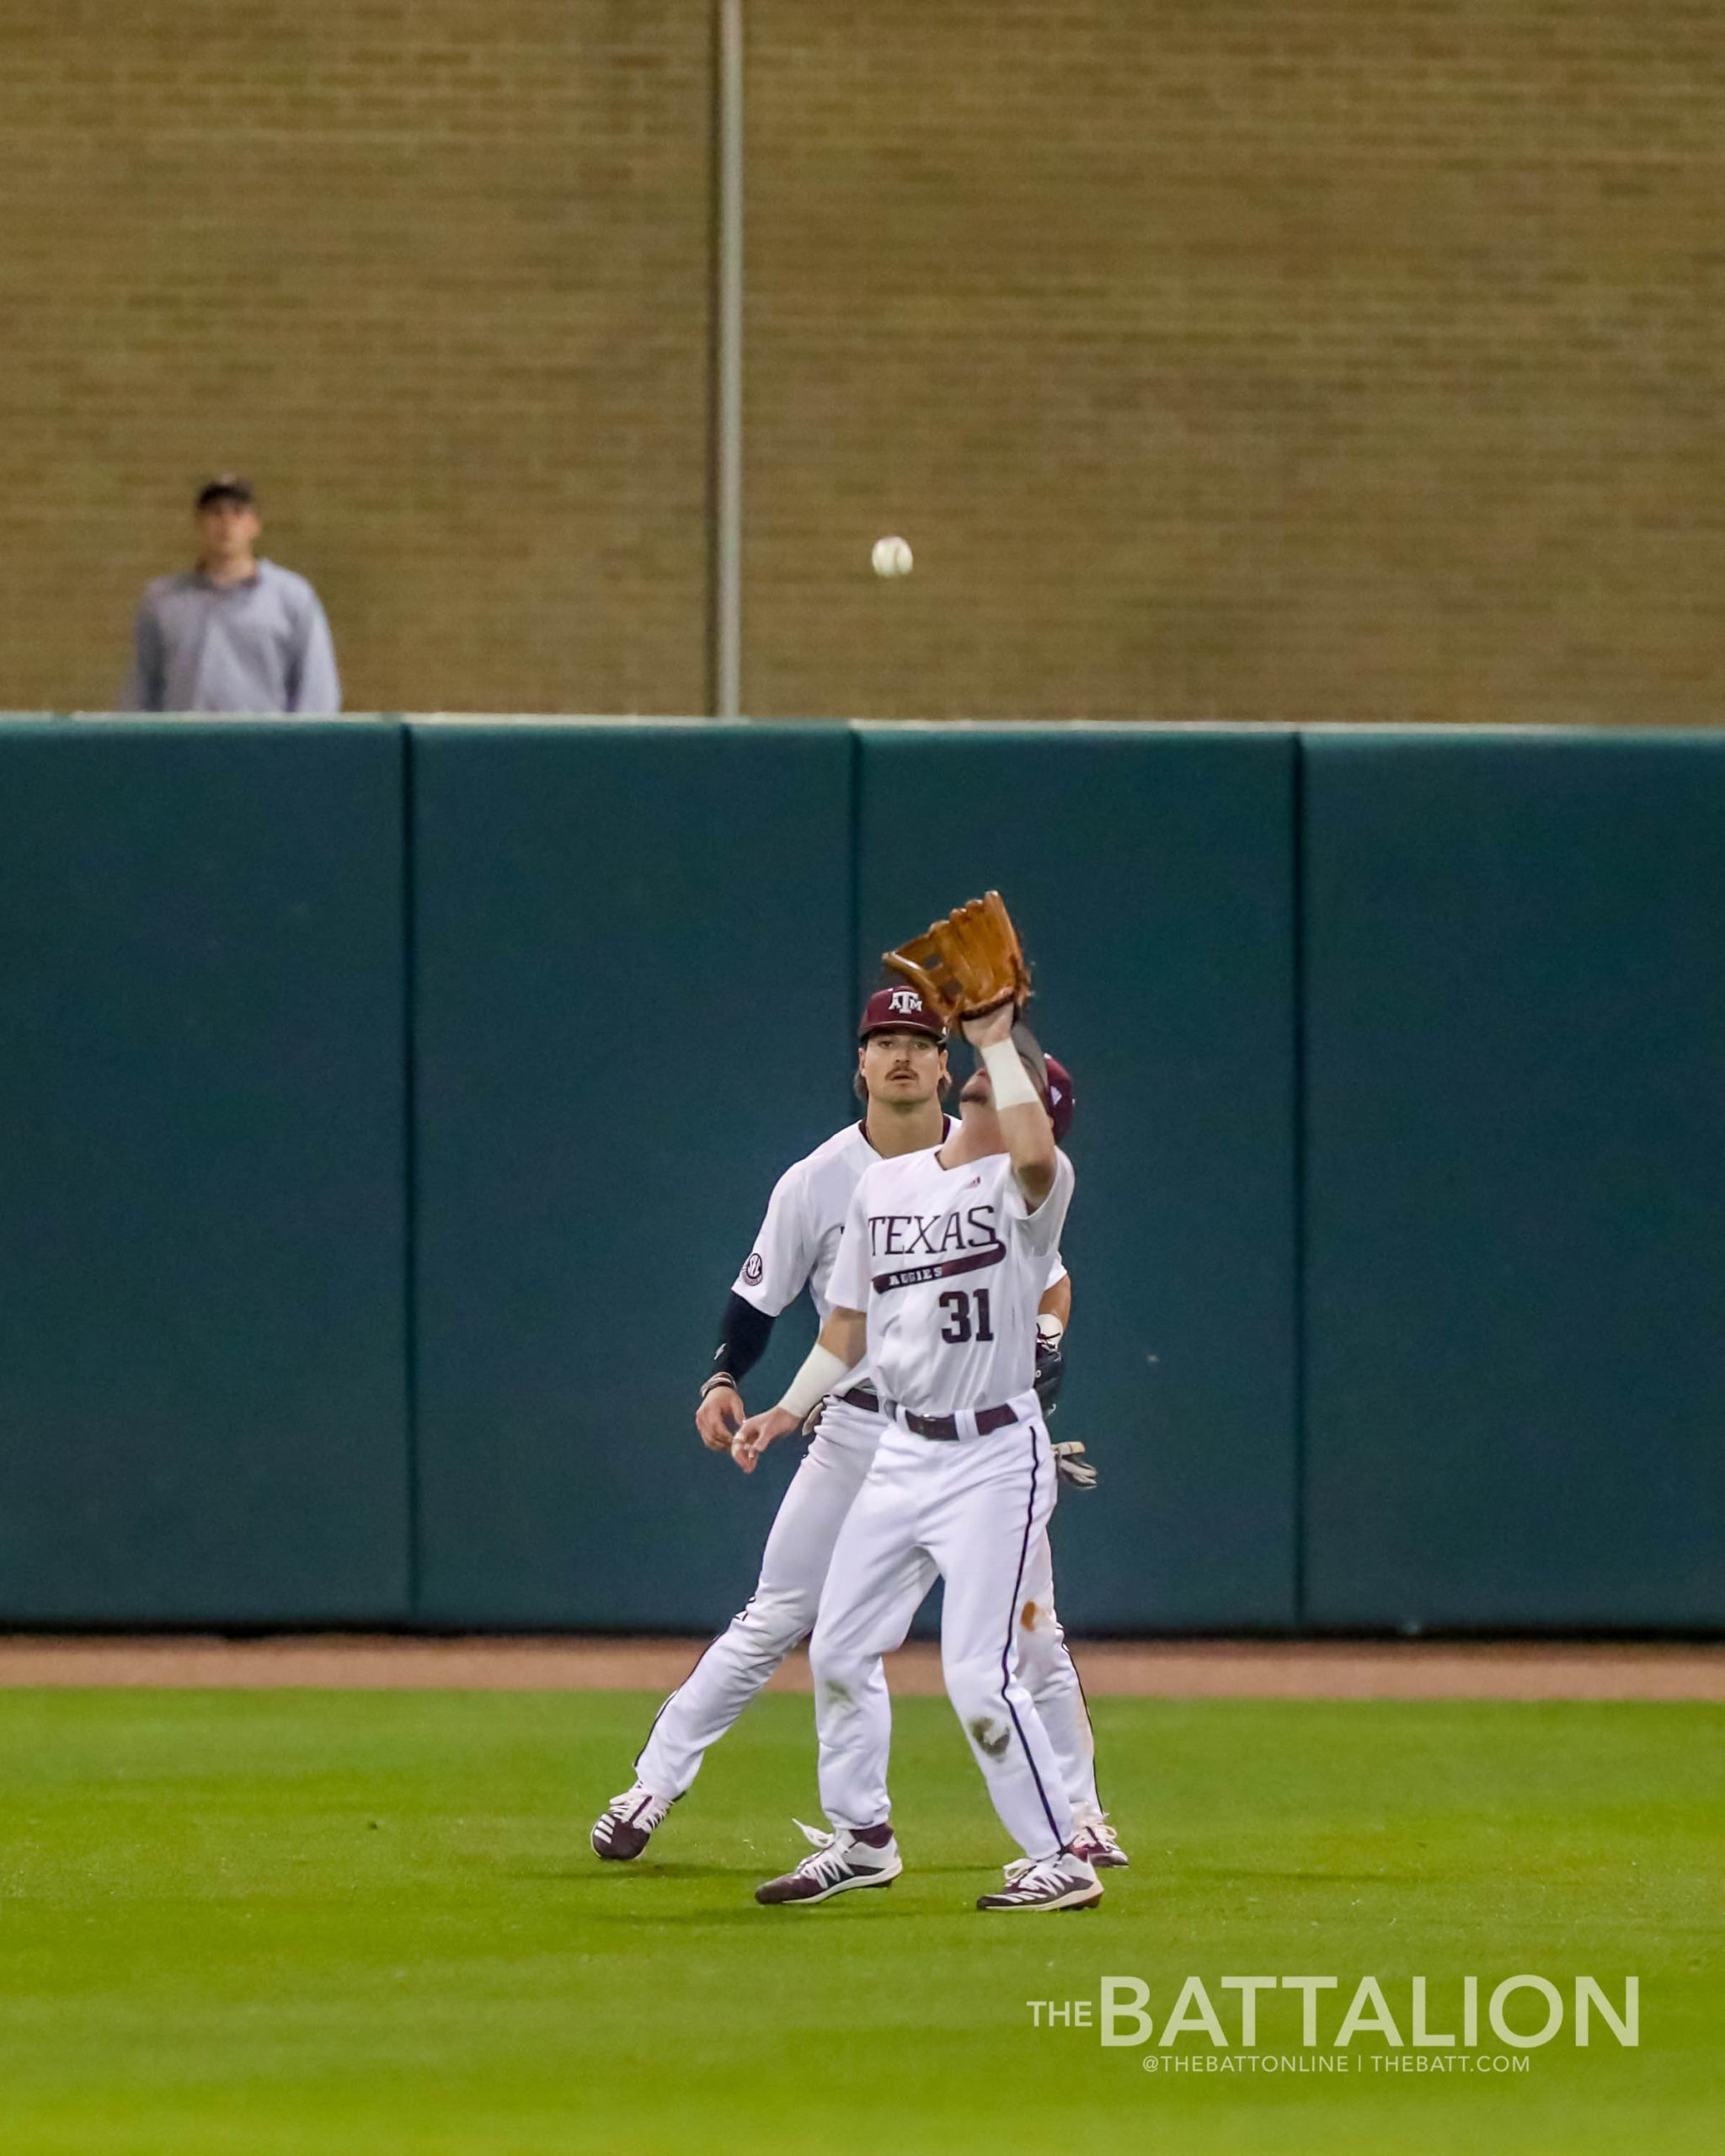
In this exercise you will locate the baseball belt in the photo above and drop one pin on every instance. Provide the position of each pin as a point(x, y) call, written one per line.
point(944, 1428)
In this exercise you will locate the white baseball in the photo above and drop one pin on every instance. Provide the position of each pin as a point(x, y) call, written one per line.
point(891, 557)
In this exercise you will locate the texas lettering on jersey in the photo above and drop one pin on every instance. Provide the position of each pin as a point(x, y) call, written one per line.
point(962, 1242)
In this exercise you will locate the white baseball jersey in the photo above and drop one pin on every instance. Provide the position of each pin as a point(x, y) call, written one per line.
point(798, 1241)
point(949, 1265)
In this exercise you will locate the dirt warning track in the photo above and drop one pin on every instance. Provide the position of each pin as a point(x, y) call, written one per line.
point(1138, 1669)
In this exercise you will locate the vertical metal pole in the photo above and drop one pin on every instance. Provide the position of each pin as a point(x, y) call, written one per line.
point(728, 496)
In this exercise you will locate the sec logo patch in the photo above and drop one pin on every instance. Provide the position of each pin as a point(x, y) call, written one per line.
point(753, 1269)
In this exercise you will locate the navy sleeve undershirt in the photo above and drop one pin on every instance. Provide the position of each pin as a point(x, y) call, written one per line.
point(743, 1334)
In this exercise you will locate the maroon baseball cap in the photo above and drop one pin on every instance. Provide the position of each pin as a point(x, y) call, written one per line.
point(899, 1009)
point(1059, 1098)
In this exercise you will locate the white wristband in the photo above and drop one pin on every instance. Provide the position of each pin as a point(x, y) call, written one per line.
point(819, 1375)
point(1012, 1084)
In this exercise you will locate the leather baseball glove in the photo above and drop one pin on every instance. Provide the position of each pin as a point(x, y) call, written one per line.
point(968, 963)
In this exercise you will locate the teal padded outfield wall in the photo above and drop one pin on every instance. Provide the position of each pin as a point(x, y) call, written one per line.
point(385, 1108)
point(1514, 1059)
point(203, 1390)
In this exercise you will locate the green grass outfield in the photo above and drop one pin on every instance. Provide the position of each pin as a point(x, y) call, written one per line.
point(277, 1922)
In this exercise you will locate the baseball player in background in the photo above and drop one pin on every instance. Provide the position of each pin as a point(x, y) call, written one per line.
point(942, 1261)
point(901, 1075)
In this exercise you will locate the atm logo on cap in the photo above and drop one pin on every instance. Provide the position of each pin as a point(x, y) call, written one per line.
point(906, 1000)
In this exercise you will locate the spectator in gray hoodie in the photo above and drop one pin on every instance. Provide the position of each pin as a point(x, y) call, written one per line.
point(237, 632)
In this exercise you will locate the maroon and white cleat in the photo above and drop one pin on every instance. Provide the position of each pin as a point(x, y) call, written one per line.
point(1096, 1842)
point(841, 1864)
point(1059, 1882)
point(625, 1826)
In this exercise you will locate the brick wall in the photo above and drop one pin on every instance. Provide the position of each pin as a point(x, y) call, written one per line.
point(435, 273)
point(1281, 359)
point(1268, 358)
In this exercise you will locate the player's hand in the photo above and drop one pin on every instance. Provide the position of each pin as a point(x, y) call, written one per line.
point(757, 1434)
point(1071, 1466)
point(717, 1418)
point(996, 1025)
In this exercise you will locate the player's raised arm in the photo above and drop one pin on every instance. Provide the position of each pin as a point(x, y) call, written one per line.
point(1025, 1129)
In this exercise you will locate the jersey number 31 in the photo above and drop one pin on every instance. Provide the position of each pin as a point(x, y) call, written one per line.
point(957, 1305)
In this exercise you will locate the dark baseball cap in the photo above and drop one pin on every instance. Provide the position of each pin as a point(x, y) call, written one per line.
point(1059, 1096)
point(226, 487)
point(900, 1009)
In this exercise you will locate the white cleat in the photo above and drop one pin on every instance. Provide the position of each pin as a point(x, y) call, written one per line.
point(1096, 1842)
point(1060, 1882)
point(624, 1828)
point(839, 1862)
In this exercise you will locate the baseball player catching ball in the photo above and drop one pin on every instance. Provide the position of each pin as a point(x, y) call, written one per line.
point(901, 1072)
point(943, 1259)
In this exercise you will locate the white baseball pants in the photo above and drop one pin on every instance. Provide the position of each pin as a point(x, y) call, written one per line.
point(1050, 1677)
point(780, 1614)
point(971, 1511)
